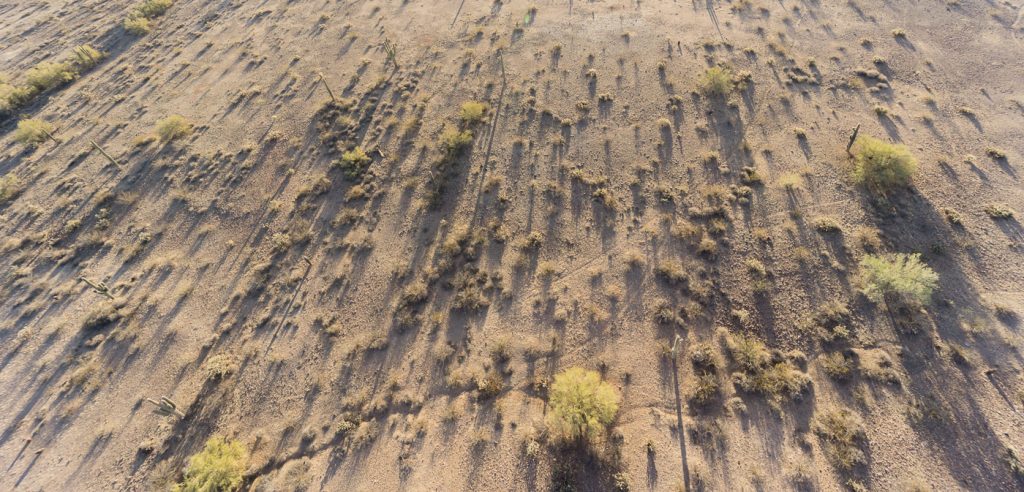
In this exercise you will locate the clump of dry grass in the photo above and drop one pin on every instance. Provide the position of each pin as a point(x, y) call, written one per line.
point(843, 434)
point(10, 188)
point(837, 366)
point(999, 211)
point(761, 371)
point(716, 81)
point(173, 127)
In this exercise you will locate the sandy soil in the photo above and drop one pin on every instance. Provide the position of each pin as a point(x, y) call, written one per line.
point(240, 249)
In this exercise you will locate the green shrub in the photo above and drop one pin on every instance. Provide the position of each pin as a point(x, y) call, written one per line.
point(716, 81)
point(473, 112)
point(32, 131)
point(10, 187)
point(137, 25)
point(173, 127)
point(454, 142)
point(153, 8)
point(47, 75)
point(582, 405)
point(882, 166)
point(354, 163)
point(13, 97)
point(87, 57)
point(898, 274)
point(999, 211)
point(218, 467)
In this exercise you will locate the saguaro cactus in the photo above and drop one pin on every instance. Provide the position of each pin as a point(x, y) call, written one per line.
point(166, 407)
point(100, 287)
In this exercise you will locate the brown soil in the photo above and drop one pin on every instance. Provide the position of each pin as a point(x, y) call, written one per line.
point(240, 249)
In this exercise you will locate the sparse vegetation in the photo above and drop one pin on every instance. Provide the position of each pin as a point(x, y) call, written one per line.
point(364, 274)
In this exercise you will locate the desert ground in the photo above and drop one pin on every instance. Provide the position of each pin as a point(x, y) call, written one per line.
point(357, 242)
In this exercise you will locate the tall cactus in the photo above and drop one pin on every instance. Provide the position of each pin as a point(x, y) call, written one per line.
point(166, 407)
point(100, 287)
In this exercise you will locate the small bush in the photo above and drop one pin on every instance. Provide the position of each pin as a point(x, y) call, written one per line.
point(842, 432)
point(582, 405)
point(760, 372)
point(153, 8)
point(32, 131)
point(749, 353)
point(354, 163)
point(827, 225)
point(716, 81)
point(489, 385)
point(777, 382)
point(837, 365)
point(173, 127)
point(705, 390)
point(137, 25)
point(454, 142)
point(218, 467)
point(883, 166)
point(473, 112)
point(13, 97)
point(899, 274)
point(999, 211)
point(672, 272)
point(47, 75)
point(10, 188)
point(87, 57)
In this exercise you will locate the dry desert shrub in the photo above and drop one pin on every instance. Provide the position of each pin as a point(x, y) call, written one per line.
point(716, 82)
point(173, 127)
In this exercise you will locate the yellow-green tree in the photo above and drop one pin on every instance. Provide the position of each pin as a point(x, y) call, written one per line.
point(582, 404)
